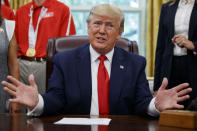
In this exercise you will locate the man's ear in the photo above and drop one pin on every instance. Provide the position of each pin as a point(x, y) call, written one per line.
point(119, 36)
point(88, 28)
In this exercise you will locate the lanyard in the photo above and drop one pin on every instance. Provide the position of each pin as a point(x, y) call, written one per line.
point(33, 34)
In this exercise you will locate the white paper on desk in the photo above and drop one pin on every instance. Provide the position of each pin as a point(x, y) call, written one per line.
point(84, 121)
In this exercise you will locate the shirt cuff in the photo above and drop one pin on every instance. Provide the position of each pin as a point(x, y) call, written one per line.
point(152, 110)
point(38, 110)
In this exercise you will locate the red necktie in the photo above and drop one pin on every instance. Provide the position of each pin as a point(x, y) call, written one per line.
point(103, 87)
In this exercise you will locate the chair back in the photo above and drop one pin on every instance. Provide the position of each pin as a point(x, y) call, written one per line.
point(56, 45)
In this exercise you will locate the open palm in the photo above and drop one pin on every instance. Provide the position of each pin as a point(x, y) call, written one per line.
point(26, 95)
point(169, 99)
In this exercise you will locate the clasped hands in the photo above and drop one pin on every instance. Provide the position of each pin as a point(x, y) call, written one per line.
point(182, 41)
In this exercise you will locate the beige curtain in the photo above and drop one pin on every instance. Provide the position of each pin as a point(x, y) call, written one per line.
point(15, 4)
point(154, 7)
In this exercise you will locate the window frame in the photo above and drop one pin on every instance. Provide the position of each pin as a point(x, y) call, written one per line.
point(142, 14)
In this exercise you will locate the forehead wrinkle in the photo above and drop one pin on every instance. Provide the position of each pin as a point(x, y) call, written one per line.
point(105, 19)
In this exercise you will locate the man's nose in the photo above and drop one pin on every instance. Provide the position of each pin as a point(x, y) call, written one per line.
point(102, 28)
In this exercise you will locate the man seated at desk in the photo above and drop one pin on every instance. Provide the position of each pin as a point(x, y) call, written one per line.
point(98, 78)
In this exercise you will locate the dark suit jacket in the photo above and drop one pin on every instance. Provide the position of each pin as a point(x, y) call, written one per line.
point(164, 50)
point(70, 88)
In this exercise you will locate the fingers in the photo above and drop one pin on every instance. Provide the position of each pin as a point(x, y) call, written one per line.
point(180, 40)
point(32, 81)
point(164, 84)
point(181, 87)
point(8, 85)
point(14, 80)
point(174, 38)
point(184, 92)
point(177, 106)
point(183, 98)
point(12, 93)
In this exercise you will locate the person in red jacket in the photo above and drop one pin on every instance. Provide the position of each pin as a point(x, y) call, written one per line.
point(36, 22)
point(7, 12)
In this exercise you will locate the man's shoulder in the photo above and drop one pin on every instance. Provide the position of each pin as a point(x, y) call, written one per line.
point(74, 52)
point(130, 55)
point(24, 8)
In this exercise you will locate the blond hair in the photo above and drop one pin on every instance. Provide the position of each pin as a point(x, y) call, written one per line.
point(108, 11)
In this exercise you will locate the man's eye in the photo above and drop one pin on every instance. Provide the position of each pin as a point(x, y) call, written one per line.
point(97, 23)
point(110, 26)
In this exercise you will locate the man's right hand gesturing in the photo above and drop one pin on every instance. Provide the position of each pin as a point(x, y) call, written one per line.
point(26, 95)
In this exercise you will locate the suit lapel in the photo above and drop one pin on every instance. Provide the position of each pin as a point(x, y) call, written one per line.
point(172, 12)
point(84, 78)
point(193, 21)
point(117, 70)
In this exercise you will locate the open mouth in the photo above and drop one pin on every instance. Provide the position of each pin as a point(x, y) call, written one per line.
point(101, 38)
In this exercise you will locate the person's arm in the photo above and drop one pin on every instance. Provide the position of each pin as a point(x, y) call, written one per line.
point(13, 68)
point(67, 26)
point(13, 65)
point(159, 50)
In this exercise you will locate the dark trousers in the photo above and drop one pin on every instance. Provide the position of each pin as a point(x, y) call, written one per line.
point(179, 74)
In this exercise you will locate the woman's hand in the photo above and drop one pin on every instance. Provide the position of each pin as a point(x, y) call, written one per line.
point(182, 41)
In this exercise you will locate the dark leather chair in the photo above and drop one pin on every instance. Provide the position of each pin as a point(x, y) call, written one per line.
point(56, 45)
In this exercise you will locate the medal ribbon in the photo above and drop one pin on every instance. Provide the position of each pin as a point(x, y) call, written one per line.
point(33, 34)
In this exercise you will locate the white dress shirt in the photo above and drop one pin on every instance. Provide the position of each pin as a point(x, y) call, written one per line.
point(182, 19)
point(94, 69)
point(94, 110)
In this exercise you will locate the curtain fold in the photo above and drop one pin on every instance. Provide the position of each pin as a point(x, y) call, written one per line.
point(15, 4)
point(154, 7)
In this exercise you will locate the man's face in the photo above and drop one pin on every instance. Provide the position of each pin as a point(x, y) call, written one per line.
point(103, 32)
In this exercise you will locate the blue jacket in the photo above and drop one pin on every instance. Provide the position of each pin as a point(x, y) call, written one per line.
point(70, 88)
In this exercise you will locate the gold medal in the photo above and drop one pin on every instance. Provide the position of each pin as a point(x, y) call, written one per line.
point(31, 52)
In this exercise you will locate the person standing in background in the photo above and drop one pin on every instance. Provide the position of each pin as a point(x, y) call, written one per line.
point(36, 22)
point(176, 49)
point(8, 64)
point(7, 12)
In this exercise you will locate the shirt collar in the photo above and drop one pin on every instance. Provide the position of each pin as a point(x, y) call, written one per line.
point(94, 55)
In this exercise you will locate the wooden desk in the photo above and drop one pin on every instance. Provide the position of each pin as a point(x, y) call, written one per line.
point(21, 122)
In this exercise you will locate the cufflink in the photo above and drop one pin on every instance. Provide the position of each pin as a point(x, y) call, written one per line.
point(121, 67)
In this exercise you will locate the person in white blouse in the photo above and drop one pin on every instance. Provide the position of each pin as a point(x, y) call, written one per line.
point(176, 49)
point(7, 64)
